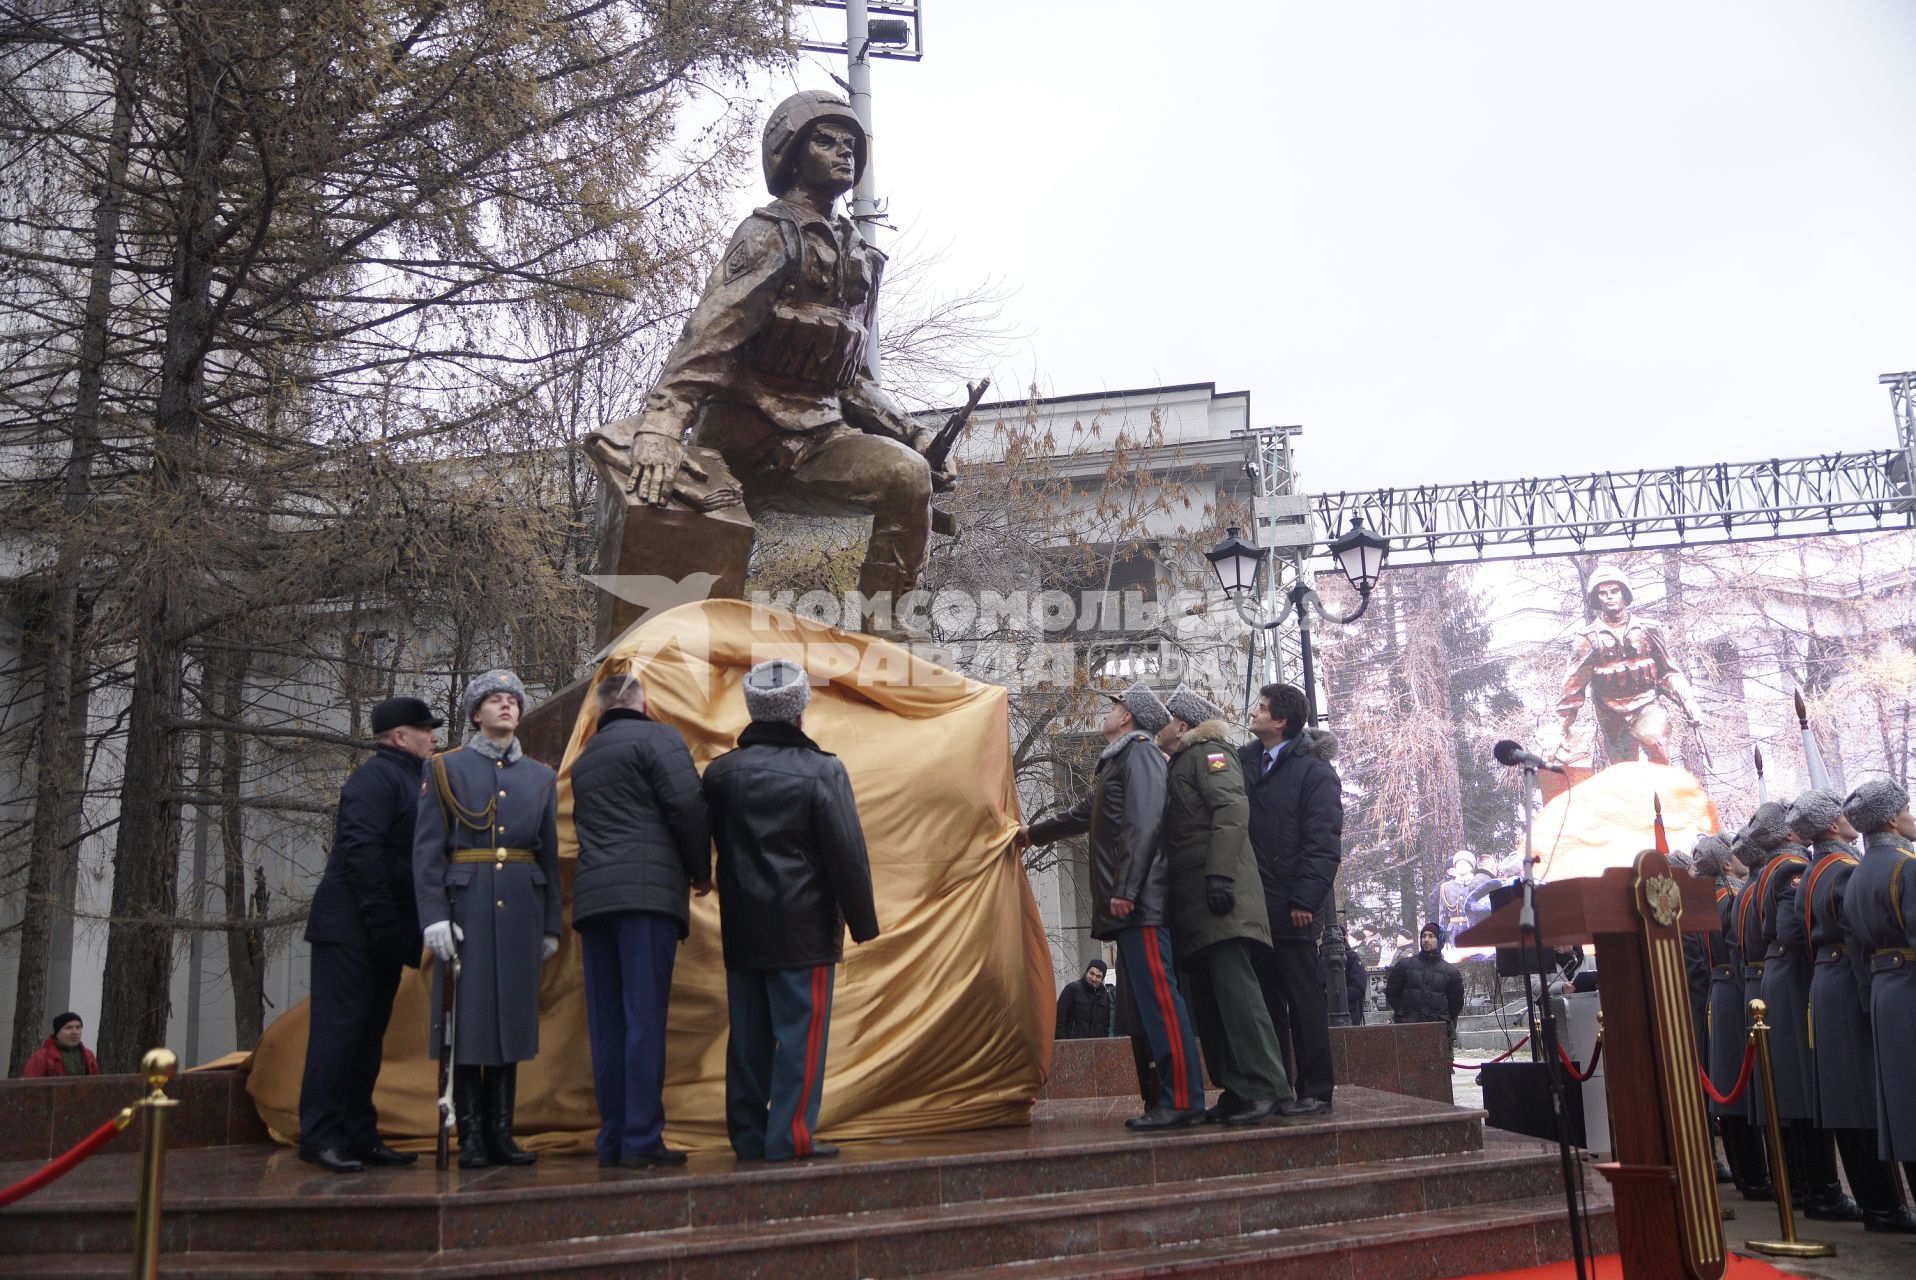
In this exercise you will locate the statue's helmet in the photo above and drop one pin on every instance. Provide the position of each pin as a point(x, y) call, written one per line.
point(1612, 574)
point(787, 126)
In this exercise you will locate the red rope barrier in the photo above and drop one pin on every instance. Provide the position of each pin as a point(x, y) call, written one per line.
point(53, 1169)
point(1596, 1056)
point(1742, 1079)
point(1472, 1066)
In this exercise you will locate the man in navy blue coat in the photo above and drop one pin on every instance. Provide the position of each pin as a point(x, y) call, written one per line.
point(644, 846)
point(364, 930)
point(1297, 832)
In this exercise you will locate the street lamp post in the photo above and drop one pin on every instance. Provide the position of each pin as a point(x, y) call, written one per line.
point(1361, 555)
point(1358, 552)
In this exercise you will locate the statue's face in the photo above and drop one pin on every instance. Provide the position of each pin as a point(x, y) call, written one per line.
point(1610, 599)
point(828, 160)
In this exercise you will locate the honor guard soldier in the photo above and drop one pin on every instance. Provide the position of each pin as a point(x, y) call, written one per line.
point(1130, 895)
point(1217, 910)
point(1842, 1061)
point(1880, 907)
point(792, 874)
point(1728, 1029)
point(1781, 980)
point(486, 871)
point(364, 930)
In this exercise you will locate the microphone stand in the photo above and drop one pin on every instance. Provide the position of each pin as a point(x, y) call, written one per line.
point(1539, 1012)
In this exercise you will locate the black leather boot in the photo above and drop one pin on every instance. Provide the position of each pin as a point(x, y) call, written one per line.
point(501, 1084)
point(466, 1090)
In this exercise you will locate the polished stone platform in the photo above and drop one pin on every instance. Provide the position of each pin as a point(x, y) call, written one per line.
point(1387, 1185)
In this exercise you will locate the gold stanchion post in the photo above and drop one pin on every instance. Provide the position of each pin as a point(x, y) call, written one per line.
point(1789, 1246)
point(159, 1067)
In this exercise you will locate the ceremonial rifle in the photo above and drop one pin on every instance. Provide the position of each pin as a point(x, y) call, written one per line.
point(442, 1156)
point(1812, 754)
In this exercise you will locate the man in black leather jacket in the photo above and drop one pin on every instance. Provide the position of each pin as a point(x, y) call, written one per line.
point(364, 928)
point(644, 845)
point(1130, 889)
point(792, 874)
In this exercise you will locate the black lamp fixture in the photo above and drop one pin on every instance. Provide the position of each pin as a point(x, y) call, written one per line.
point(1359, 553)
point(1236, 563)
point(891, 32)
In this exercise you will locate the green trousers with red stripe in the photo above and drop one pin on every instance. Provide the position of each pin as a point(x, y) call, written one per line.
point(1145, 970)
point(775, 1062)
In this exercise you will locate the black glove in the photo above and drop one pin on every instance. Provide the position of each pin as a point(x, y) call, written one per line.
point(1218, 895)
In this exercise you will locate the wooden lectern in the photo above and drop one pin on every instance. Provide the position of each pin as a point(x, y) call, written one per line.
point(1669, 1224)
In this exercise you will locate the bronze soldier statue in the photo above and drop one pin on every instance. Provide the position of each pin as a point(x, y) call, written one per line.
point(770, 375)
point(1623, 664)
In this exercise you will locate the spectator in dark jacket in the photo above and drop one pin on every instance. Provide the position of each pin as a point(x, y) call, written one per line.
point(1084, 1006)
point(792, 874)
point(1130, 894)
point(1297, 832)
point(1356, 983)
point(364, 929)
point(63, 1054)
point(1423, 986)
point(644, 845)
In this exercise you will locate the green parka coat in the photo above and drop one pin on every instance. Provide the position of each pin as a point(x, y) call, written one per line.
point(1206, 832)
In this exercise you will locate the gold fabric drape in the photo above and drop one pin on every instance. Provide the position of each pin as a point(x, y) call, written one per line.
point(1608, 819)
point(941, 1023)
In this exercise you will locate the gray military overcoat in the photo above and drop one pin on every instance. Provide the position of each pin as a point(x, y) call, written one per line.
point(504, 908)
point(1842, 1064)
point(1880, 906)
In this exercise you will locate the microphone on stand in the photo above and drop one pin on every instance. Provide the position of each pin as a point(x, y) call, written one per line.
point(1509, 753)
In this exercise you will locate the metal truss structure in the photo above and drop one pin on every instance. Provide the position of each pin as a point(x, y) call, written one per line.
point(1641, 510)
point(1623, 510)
point(1280, 516)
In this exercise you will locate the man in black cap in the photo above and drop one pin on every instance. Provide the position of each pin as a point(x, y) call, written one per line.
point(364, 929)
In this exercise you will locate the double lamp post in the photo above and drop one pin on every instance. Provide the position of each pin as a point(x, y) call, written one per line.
point(1360, 554)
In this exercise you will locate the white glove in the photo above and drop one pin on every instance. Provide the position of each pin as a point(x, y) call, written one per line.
point(442, 939)
point(550, 947)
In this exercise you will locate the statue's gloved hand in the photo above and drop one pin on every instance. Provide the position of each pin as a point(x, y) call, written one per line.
point(1218, 895)
point(442, 940)
point(655, 465)
point(548, 947)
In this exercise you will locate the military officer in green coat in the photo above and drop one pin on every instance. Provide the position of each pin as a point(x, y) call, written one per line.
point(1217, 910)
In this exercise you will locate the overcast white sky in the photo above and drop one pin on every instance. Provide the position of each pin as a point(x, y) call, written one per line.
point(1453, 238)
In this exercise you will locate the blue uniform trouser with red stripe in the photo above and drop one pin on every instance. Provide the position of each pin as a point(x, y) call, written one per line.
point(775, 1063)
point(1144, 957)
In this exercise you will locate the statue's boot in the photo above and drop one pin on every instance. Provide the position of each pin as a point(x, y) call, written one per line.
point(466, 1088)
point(886, 582)
point(501, 1085)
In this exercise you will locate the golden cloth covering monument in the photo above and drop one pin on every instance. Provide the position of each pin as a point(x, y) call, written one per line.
point(942, 1023)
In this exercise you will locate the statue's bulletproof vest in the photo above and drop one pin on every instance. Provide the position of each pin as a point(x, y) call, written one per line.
point(1625, 675)
point(820, 326)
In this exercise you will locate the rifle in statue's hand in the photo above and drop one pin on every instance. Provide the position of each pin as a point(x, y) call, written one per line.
point(938, 452)
point(442, 1157)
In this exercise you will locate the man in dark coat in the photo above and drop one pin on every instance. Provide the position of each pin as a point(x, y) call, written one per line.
point(486, 873)
point(792, 875)
point(1130, 893)
point(1840, 1048)
point(1084, 1006)
point(1356, 983)
point(1217, 911)
point(644, 845)
point(1880, 907)
point(1423, 986)
point(364, 931)
point(1297, 832)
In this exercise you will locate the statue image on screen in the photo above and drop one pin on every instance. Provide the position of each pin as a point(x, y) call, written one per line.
point(1621, 665)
